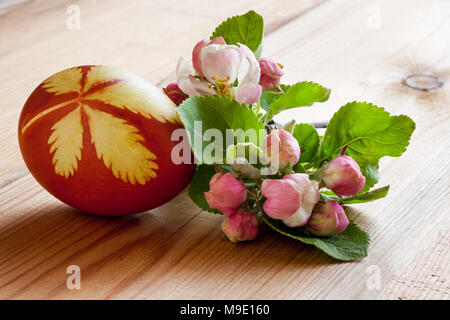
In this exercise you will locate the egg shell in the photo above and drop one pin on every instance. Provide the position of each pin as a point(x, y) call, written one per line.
point(99, 139)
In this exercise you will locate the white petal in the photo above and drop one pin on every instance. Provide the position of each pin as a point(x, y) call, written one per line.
point(202, 87)
point(184, 70)
point(220, 68)
point(188, 83)
point(299, 218)
point(249, 70)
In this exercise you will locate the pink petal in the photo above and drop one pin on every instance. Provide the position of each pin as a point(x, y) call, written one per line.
point(283, 199)
point(249, 94)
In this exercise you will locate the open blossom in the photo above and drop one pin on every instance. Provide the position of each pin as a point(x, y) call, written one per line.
point(219, 66)
point(290, 199)
point(281, 149)
point(242, 226)
point(226, 193)
point(174, 93)
point(270, 73)
point(343, 176)
point(190, 84)
point(327, 219)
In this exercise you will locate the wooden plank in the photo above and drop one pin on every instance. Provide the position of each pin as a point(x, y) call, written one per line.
point(41, 237)
point(177, 252)
point(21, 195)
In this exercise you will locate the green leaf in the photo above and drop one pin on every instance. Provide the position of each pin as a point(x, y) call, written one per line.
point(285, 87)
point(369, 133)
point(301, 94)
point(372, 176)
point(200, 184)
point(228, 168)
point(247, 29)
point(221, 113)
point(328, 195)
point(368, 196)
point(267, 98)
point(298, 168)
point(372, 195)
point(258, 51)
point(308, 140)
point(349, 245)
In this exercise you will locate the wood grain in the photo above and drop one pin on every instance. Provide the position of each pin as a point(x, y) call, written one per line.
point(360, 50)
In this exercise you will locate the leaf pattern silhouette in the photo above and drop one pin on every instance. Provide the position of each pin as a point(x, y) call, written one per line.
point(118, 144)
point(101, 74)
point(66, 142)
point(136, 100)
point(64, 82)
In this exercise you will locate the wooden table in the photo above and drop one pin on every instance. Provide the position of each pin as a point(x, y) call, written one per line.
point(360, 49)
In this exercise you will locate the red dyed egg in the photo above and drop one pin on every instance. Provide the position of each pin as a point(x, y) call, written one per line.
point(99, 139)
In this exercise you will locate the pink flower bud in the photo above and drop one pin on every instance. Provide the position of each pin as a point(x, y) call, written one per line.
point(327, 219)
point(281, 149)
point(343, 176)
point(270, 73)
point(242, 226)
point(226, 193)
point(196, 62)
point(290, 199)
point(174, 93)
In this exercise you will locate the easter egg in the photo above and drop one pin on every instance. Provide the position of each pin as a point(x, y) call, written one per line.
point(100, 140)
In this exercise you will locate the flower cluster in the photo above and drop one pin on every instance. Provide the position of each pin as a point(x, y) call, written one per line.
point(284, 195)
point(219, 68)
point(295, 178)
